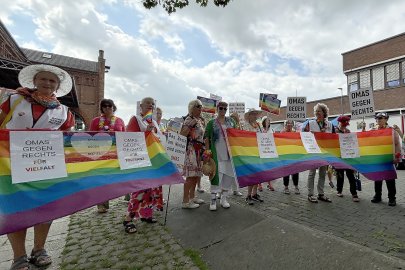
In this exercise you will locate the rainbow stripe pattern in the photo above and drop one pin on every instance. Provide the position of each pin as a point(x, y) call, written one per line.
point(209, 104)
point(91, 180)
point(148, 117)
point(375, 161)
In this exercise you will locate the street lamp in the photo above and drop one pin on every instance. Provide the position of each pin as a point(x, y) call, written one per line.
point(341, 99)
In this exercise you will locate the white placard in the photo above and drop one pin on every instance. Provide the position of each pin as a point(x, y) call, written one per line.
point(91, 145)
point(36, 155)
point(176, 149)
point(213, 96)
point(266, 144)
point(296, 108)
point(361, 103)
point(349, 145)
point(309, 142)
point(132, 151)
point(239, 108)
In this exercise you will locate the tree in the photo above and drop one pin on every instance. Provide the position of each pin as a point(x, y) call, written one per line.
point(171, 5)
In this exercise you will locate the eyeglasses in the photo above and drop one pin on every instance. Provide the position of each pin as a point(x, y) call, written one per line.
point(198, 106)
point(222, 108)
point(106, 106)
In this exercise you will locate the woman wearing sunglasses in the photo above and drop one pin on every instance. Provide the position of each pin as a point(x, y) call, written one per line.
point(215, 141)
point(107, 122)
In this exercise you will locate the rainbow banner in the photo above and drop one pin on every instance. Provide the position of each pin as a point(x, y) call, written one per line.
point(209, 105)
point(91, 179)
point(375, 161)
point(270, 103)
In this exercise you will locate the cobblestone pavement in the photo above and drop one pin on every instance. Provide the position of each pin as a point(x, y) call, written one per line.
point(98, 241)
point(377, 226)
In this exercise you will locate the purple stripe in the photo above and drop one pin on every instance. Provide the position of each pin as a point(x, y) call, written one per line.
point(78, 201)
point(384, 175)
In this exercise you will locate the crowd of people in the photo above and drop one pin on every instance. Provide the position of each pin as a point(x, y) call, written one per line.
point(35, 106)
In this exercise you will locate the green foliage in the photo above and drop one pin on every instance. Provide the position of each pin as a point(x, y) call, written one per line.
point(172, 5)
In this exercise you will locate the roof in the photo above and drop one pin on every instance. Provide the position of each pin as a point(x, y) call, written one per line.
point(60, 60)
point(371, 44)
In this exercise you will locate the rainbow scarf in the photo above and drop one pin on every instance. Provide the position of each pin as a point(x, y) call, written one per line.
point(91, 180)
point(148, 117)
point(375, 161)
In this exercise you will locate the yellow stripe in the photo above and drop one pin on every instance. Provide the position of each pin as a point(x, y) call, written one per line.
point(244, 151)
point(376, 150)
point(91, 165)
point(5, 166)
point(290, 149)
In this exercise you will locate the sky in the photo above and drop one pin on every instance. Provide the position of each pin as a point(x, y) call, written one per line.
point(287, 48)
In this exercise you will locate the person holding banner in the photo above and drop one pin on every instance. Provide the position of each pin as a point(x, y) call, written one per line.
point(143, 202)
point(288, 127)
point(382, 123)
point(35, 106)
point(343, 122)
point(215, 142)
point(251, 124)
point(107, 122)
point(193, 128)
point(320, 124)
point(266, 128)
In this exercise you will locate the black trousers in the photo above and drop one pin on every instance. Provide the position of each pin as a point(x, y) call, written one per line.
point(286, 179)
point(340, 177)
point(392, 190)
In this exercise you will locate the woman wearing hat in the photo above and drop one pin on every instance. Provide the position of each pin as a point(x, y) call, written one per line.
point(251, 124)
point(382, 123)
point(35, 106)
point(343, 122)
point(193, 128)
point(320, 124)
point(215, 141)
point(108, 122)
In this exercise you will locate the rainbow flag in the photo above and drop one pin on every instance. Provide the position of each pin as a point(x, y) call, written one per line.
point(91, 180)
point(270, 103)
point(375, 161)
point(148, 117)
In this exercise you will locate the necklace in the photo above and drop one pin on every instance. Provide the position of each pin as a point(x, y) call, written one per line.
point(102, 123)
point(322, 125)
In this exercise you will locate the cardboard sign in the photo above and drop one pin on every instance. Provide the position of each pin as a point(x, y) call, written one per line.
point(209, 104)
point(309, 142)
point(266, 145)
point(296, 108)
point(349, 145)
point(36, 156)
point(239, 108)
point(131, 150)
point(213, 96)
point(176, 149)
point(361, 103)
point(270, 103)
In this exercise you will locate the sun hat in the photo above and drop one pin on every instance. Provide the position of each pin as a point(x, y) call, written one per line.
point(209, 168)
point(381, 115)
point(252, 110)
point(27, 74)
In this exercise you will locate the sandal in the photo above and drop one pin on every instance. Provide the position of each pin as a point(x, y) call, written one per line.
point(312, 199)
point(129, 226)
point(21, 263)
point(324, 198)
point(355, 198)
point(40, 258)
point(271, 188)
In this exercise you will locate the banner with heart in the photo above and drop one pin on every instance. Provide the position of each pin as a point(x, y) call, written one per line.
point(93, 146)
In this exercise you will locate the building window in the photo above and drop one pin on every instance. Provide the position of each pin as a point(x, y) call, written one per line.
point(403, 72)
point(378, 78)
point(392, 73)
point(365, 79)
point(352, 82)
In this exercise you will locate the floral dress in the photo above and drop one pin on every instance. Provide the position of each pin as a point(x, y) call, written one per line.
point(195, 148)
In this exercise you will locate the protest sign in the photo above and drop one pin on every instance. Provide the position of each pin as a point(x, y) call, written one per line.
point(209, 104)
point(131, 150)
point(213, 96)
point(266, 145)
point(296, 108)
point(36, 156)
point(270, 103)
point(361, 103)
point(175, 124)
point(176, 149)
point(309, 142)
point(349, 145)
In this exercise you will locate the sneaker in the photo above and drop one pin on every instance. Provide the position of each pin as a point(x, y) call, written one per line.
point(355, 198)
point(237, 193)
point(392, 202)
point(219, 195)
point(286, 191)
point(297, 191)
point(339, 194)
point(190, 205)
point(224, 203)
point(257, 198)
point(200, 190)
point(376, 199)
point(213, 205)
point(249, 200)
point(198, 201)
point(271, 188)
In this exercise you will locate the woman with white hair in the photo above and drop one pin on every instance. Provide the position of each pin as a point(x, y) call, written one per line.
point(319, 124)
point(35, 106)
point(193, 128)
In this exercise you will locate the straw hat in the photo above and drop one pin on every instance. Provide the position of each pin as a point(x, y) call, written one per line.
point(252, 110)
point(209, 168)
point(27, 74)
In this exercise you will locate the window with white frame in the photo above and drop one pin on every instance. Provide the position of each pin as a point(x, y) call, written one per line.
point(403, 72)
point(378, 78)
point(352, 82)
point(364, 79)
point(392, 73)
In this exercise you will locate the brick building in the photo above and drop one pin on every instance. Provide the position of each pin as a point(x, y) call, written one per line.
point(380, 66)
point(88, 76)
